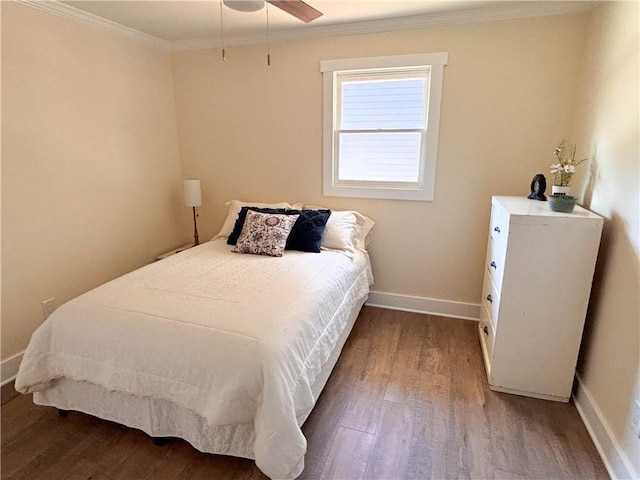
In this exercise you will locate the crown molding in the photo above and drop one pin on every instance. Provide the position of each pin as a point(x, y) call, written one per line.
point(63, 10)
point(509, 10)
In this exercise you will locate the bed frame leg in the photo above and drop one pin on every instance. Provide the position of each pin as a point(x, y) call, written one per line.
point(63, 413)
point(160, 441)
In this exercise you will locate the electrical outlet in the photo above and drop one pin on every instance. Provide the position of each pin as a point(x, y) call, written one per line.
point(48, 306)
point(635, 420)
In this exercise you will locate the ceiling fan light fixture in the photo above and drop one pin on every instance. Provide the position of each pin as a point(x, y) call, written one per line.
point(245, 5)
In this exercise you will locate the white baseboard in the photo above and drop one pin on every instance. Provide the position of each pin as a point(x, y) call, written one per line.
point(432, 306)
point(614, 458)
point(9, 368)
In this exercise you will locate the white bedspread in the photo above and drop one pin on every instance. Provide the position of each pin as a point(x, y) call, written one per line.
point(235, 338)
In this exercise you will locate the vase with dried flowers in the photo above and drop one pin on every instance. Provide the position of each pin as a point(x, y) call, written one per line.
point(563, 171)
point(561, 200)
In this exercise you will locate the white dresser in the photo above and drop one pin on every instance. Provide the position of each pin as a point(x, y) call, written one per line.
point(537, 282)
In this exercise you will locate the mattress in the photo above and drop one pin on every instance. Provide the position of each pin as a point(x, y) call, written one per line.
point(227, 351)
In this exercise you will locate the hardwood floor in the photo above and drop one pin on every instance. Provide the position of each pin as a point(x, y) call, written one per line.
point(408, 399)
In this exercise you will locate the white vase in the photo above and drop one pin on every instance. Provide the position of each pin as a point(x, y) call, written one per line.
point(558, 190)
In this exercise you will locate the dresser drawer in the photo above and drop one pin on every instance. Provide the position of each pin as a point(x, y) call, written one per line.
point(491, 299)
point(487, 337)
point(496, 256)
point(499, 227)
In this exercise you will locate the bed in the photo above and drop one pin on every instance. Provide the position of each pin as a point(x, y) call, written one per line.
point(227, 351)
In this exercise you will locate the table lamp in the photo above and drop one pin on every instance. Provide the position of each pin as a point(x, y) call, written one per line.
point(193, 198)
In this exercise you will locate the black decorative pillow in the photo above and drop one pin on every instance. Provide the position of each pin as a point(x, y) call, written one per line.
point(232, 239)
point(265, 233)
point(306, 235)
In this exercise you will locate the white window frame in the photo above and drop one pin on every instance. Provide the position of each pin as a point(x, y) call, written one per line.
point(424, 189)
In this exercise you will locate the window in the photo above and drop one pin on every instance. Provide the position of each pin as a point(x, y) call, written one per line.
point(381, 119)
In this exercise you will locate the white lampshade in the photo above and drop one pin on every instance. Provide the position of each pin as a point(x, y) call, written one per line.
point(192, 193)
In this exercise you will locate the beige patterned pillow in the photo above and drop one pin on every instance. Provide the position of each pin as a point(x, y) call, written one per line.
point(265, 233)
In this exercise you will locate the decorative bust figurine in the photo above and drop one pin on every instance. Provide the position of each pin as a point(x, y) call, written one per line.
point(538, 186)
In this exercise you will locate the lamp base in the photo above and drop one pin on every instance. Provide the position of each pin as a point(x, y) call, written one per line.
point(196, 240)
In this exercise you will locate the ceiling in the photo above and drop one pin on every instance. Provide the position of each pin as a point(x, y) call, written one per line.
point(186, 23)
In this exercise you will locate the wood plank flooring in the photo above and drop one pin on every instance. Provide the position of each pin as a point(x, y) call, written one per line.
point(408, 399)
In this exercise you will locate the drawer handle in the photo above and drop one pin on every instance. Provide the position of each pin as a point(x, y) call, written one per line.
point(486, 330)
point(489, 299)
point(496, 229)
point(493, 265)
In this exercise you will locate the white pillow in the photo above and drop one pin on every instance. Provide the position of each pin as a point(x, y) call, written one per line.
point(339, 232)
point(359, 236)
point(234, 209)
point(364, 227)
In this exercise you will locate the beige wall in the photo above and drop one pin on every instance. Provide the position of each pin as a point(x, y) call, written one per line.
point(607, 128)
point(253, 132)
point(91, 181)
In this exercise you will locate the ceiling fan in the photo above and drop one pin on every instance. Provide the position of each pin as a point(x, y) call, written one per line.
point(297, 8)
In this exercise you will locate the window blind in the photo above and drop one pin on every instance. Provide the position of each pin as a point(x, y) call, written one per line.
point(380, 131)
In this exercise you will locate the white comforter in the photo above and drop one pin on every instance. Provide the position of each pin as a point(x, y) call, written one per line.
point(235, 338)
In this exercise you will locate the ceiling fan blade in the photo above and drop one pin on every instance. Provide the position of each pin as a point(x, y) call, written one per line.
point(297, 8)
